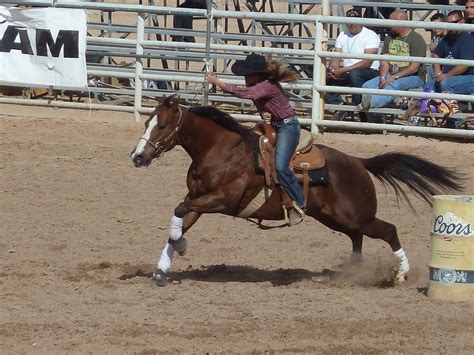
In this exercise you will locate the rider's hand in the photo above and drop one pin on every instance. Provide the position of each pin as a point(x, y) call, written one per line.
point(212, 79)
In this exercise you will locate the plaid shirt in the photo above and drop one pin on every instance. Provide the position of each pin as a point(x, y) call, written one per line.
point(267, 97)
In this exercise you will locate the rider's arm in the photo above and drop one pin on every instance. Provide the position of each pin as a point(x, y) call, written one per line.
point(255, 92)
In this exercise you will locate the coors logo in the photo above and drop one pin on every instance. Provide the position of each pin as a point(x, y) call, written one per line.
point(450, 224)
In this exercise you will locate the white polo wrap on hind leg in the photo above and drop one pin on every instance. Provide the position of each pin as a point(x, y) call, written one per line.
point(176, 228)
point(166, 258)
point(404, 265)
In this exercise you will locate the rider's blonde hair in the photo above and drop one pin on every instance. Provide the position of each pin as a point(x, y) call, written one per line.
point(279, 71)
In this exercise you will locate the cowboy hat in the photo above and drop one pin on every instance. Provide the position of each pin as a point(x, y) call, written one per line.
point(253, 64)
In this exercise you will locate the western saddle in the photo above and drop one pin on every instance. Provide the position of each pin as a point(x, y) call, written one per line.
point(307, 158)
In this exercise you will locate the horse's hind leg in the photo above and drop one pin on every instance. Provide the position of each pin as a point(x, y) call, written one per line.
point(177, 242)
point(388, 232)
point(356, 238)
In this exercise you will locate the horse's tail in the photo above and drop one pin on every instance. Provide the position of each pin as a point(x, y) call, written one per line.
point(420, 175)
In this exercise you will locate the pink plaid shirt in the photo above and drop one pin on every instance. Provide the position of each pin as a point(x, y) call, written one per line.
point(267, 97)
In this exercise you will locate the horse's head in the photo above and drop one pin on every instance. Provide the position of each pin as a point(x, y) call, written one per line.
point(160, 131)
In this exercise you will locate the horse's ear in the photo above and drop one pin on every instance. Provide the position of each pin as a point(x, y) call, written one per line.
point(176, 102)
point(162, 99)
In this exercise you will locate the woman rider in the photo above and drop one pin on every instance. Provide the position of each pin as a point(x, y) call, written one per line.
point(263, 87)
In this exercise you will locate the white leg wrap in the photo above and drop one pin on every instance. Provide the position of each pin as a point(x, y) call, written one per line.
point(176, 228)
point(166, 258)
point(404, 265)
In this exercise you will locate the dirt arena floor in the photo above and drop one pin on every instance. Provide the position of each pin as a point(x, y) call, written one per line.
point(82, 230)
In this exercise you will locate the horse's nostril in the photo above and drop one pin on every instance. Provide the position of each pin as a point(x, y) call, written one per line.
point(138, 160)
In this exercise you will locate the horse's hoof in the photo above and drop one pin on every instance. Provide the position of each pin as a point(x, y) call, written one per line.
point(401, 278)
point(356, 258)
point(159, 278)
point(180, 246)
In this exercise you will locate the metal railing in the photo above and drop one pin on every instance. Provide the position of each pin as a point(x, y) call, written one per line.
point(139, 48)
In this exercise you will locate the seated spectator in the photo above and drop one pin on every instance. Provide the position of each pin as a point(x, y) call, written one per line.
point(403, 41)
point(469, 12)
point(457, 79)
point(436, 36)
point(354, 72)
point(380, 12)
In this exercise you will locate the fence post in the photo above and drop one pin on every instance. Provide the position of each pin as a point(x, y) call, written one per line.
point(208, 51)
point(137, 104)
point(316, 106)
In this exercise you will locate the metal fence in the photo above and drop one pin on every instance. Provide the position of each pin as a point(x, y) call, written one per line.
point(214, 53)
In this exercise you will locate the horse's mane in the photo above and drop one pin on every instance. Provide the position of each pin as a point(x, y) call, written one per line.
point(223, 119)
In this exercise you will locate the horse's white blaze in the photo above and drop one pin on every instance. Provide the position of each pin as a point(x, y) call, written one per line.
point(140, 148)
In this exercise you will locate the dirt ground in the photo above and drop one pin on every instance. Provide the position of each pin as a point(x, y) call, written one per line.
point(82, 230)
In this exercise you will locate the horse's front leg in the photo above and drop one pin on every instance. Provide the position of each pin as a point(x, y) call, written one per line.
point(185, 215)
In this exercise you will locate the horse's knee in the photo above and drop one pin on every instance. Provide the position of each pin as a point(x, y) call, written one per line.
point(181, 210)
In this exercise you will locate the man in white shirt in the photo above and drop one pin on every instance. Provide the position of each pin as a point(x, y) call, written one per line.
point(353, 72)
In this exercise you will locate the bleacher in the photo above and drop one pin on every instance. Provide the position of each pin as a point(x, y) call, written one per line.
point(181, 66)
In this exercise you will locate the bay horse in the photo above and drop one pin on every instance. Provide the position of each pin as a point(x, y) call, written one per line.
point(222, 179)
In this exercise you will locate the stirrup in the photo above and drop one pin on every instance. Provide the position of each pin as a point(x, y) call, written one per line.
point(295, 214)
point(298, 209)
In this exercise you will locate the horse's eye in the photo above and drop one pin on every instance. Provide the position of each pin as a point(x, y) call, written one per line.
point(162, 126)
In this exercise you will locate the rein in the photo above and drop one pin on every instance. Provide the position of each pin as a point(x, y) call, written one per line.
point(161, 145)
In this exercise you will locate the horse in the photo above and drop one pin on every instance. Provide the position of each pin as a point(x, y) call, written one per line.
point(222, 179)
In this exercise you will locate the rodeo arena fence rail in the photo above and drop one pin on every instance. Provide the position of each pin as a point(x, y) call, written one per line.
point(211, 52)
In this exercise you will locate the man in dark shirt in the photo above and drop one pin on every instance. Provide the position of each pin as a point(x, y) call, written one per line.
point(469, 12)
point(457, 79)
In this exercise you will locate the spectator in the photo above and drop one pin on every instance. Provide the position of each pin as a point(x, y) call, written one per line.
point(457, 79)
point(380, 12)
point(396, 75)
point(469, 12)
point(436, 36)
point(354, 72)
point(186, 21)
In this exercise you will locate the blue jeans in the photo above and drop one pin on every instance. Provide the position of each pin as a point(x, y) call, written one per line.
point(288, 135)
point(459, 84)
point(430, 72)
point(405, 83)
point(355, 78)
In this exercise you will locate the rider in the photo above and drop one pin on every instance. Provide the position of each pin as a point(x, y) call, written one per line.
point(262, 79)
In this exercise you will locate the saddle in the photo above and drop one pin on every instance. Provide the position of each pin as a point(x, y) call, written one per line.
point(307, 163)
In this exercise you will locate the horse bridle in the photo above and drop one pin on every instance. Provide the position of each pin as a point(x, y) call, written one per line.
point(162, 145)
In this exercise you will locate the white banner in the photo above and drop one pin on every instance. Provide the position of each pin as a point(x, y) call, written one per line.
point(43, 47)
